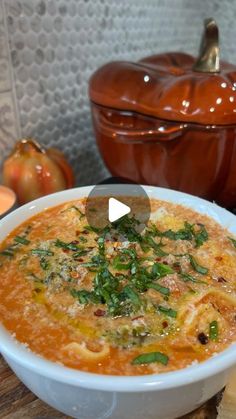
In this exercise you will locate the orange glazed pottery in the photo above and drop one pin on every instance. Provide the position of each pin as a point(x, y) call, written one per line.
point(170, 120)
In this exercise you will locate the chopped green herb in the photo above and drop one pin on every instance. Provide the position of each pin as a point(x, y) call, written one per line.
point(7, 252)
point(131, 252)
point(189, 233)
point(126, 226)
point(168, 311)
point(101, 246)
point(160, 269)
point(83, 239)
point(76, 209)
point(82, 295)
point(150, 357)
point(189, 278)
point(80, 253)
point(41, 252)
point(67, 246)
point(213, 330)
point(185, 233)
point(134, 267)
point(44, 263)
point(90, 264)
point(200, 236)
point(198, 268)
point(157, 247)
point(94, 229)
point(159, 288)
point(21, 240)
point(121, 262)
point(233, 241)
point(132, 295)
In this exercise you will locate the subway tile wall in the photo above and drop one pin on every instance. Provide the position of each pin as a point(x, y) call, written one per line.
point(49, 49)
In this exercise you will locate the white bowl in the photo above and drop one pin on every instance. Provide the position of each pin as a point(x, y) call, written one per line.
point(91, 396)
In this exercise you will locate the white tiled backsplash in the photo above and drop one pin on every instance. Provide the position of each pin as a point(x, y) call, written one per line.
point(49, 49)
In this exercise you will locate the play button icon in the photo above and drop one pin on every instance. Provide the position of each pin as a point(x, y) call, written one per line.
point(110, 202)
point(116, 209)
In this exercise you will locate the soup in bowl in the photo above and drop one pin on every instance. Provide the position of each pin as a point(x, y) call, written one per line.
point(117, 321)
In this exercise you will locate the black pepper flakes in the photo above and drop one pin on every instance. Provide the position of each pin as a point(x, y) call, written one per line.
point(203, 339)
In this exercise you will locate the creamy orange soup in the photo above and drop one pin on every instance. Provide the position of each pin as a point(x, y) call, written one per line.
point(117, 301)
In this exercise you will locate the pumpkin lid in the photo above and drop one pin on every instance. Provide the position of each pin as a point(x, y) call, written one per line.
point(172, 86)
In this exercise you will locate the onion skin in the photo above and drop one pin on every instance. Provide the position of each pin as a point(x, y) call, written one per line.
point(32, 172)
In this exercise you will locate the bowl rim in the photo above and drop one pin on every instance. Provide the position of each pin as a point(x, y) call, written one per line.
point(19, 354)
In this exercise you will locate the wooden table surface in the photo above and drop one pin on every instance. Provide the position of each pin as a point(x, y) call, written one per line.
point(17, 402)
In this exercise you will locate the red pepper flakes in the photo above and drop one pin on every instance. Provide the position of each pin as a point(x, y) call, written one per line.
point(177, 266)
point(165, 324)
point(221, 279)
point(74, 242)
point(99, 313)
point(218, 258)
point(138, 317)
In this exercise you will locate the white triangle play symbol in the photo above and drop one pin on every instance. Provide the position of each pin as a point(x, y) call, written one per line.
point(116, 210)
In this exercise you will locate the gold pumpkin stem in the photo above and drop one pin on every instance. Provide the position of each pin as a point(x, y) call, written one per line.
point(209, 55)
point(26, 143)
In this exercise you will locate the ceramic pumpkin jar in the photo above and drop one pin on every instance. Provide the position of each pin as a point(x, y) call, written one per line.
point(170, 120)
point(32, 171)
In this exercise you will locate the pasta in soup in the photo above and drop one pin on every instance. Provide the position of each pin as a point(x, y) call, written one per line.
point(115, 300)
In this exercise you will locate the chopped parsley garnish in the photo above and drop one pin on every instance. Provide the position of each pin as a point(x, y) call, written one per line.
point(81, 214)
point(18, 241)
point(160, 269)
point(44, 263)
point(233, 241)
point(83, 239)
point(42, 252)
point(67, 246)
point(196, 232)
point(124, 260)
point(213, 330)
point(80, 253)
point(93, 229)
point(159, 288)
point(127, 227)
point(185, 233)
point(168, 311)
point(149, 242)
point(21, 240)
point(151, 357)
point(190, 278)
point(82, 295)
point(7, 252)
point(200, 236)
point(198, 268)
point(132, 295)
